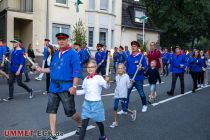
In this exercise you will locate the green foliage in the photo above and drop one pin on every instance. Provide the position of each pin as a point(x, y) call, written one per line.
point(79, 33)
point(181, 21)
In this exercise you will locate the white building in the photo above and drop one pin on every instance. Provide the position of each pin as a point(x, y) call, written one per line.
point(34, 20)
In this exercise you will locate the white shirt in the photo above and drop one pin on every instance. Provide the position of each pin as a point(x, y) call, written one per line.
point(49, 60)
point(93, 87)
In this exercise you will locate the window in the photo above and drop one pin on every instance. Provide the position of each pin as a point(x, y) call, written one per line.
point(113, 6)
point(92, 4)
point(112, 37)
point(90, 36)
point(104, 5)
point(64, 2)
point(138, 14)
point(26, 5)
point(103, 36)
point(140, 38)
point(59, 28)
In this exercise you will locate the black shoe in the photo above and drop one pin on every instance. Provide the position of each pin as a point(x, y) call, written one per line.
point(27, 80)
point(51, 138)
point(78, 131)
point(31, 94)
point(182, 92)
point(8, 99)
point(193, 91)
point(103, 138)
point(170, 93)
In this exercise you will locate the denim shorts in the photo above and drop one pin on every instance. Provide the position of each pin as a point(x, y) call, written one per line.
point(93, 110)
point(152, 87)
point(123, 104)
point(67, 100)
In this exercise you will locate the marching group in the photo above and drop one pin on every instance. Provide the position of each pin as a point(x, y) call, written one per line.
point(64, 66)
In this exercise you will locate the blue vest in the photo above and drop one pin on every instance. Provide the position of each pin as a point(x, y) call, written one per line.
point(63, 70)
point(132, 64)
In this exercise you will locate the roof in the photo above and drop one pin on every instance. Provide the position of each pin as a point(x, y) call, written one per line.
point(128, 15)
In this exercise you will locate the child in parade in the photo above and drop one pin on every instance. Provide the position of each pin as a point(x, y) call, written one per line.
point(153, 75)
point(93, 106)
point(121, 93)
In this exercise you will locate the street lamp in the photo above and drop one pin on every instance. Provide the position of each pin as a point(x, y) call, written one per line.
point(144, 19)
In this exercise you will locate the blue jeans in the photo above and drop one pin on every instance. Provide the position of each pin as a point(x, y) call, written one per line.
point(139, 86)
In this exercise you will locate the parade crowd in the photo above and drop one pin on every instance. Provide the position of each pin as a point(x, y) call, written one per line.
point(131, 65)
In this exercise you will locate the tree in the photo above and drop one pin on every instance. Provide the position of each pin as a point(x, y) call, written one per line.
point(181, 21)
point(79, 33)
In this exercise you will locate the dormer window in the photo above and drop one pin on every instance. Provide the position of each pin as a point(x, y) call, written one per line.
point(138, 15)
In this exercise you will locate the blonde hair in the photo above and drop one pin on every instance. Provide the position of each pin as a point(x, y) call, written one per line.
point(121, 64)
point(92, 62)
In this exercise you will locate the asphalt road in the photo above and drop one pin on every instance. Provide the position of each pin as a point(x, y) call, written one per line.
point(184, 117)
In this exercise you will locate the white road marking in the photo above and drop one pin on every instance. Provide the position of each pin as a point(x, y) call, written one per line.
point(175, 97)
point(34, 91)
point(73, 133)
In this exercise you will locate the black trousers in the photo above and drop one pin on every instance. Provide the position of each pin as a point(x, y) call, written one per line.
point(12, 77)
point(101, 69)
point(195, 77)
point(201, 77)
point(174, 78)
point(47, 82)
point(165, 69)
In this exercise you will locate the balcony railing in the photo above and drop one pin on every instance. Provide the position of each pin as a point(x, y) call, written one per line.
point(17, 5)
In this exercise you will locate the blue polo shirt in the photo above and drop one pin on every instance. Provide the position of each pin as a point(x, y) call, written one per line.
point(99, 56)
point(132, 64)
point(63, 70)
point(176, 61)
point(17, 59)
point(195, 64)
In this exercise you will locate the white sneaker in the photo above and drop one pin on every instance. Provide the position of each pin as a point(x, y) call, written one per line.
point(39, 79)
point(133, 116)
point(121, 112)
point(144, 108)
point(113, 125)
point(44, 93)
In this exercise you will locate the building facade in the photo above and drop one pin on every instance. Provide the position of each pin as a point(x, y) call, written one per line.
point(34, 20)
point(132, 26)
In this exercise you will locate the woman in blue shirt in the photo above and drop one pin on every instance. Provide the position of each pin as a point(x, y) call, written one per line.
point(195, 66)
